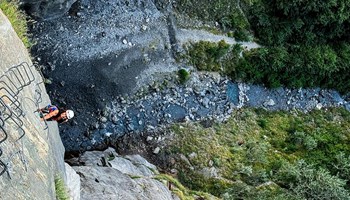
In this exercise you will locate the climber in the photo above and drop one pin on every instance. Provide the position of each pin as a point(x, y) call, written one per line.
point(53, 113)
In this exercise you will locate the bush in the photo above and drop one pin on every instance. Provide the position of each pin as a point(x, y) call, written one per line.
point(184, 75)
point(342, 165)
point(311, 183)
point(209, 56)
point(294, 67)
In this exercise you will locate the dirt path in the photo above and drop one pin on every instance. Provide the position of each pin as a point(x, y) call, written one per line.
point(186, 35)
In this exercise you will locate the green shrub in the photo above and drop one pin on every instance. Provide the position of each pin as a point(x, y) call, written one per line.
point(17, 19)
point(206, 55)
point(294, 67)
point(342, 166)
point(61, 191)
point(210, 56)
point(312, 183)
point(184, 75)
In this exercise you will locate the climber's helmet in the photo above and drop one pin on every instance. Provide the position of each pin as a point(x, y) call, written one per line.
point(70, 114)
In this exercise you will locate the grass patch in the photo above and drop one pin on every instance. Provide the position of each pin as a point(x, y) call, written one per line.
point(255, 149)
point(17, 19)
point(61, 191)
point(183, 192)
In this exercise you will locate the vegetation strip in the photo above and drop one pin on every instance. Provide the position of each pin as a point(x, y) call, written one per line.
point(17, 19)
point(268, 154)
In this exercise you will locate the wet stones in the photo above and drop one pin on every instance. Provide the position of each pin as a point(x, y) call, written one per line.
point(156, 150)
point(160, 105)
point(269, 102)
point(103, 120)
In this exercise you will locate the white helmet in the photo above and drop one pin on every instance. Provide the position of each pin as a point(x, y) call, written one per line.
point(70, 114)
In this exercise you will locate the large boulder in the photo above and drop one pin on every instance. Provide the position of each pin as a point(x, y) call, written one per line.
point(109, 183)
point(47, 9)
point(107, 175)
point(72, 183)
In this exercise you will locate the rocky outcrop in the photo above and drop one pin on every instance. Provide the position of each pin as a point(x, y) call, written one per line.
point(32, 161)
point(106, 175)
point(47, 9)
point(72, 182)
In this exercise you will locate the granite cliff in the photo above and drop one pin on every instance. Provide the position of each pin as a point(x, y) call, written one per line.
point(29, 163)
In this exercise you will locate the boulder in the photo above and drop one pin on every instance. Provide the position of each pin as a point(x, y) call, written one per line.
point(269, 102)
point(109, 183)
point(138, 160)
point(127, 167)
point(72, 182)
point(211, 172)
point(129, 177)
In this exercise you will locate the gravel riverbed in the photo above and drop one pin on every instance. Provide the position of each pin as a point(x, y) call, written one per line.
point(206, 97)
point(112, 62)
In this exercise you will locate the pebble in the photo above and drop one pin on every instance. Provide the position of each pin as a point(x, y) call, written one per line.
point(210, 163)
point(103, 119)
point(156, 150)
point(114, 119)
point(103, 126)
point(149, 138)
point(131, 127)
point(206, 102)
point(192, 155)
point(269, 102)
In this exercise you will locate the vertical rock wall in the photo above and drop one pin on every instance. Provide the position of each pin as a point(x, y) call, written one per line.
point(34, 160)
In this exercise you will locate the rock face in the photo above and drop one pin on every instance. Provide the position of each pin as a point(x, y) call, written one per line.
point(73, 183)
point(47, 9)
point(107, 175)
point(33, 160)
